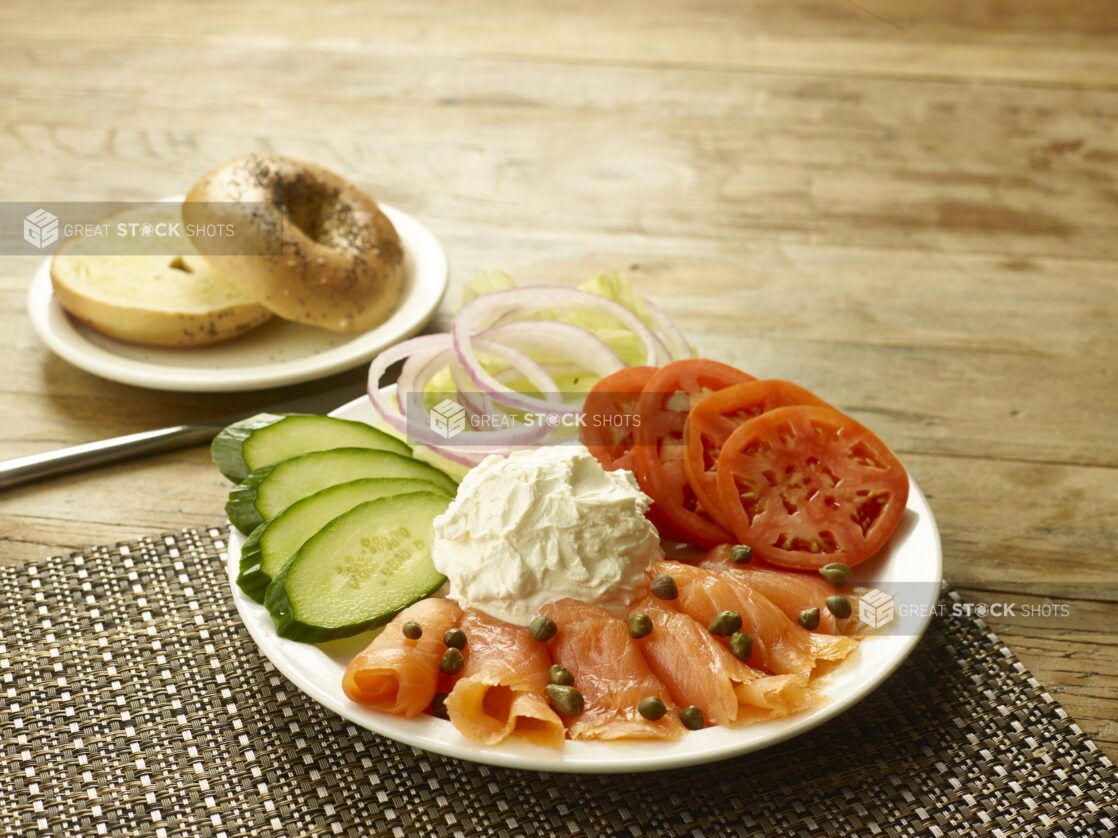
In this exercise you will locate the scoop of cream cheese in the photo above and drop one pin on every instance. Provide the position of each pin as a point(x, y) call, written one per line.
point(543, 524)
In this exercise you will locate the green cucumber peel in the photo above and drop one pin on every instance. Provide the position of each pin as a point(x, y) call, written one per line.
point(268, 438)
point(268, 491)
point(241, 506)
point(270, 545)
point(227, 448)
point(360, 570)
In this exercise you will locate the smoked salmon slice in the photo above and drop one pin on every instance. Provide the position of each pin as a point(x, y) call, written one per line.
point(779, 645)
point(611, 674)
point(398, 675)
point(697, 669)
point(791, 591)
point(502, 691)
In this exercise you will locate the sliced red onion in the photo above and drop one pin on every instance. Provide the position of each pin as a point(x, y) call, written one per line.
point(420, 368)
point(586, 350)
point(670, 338)
point(478, 401)
point(490, 306)
point(484, 310)
point(494, 325)
point(572, 343)
point(382, 401)
point(675, 340)
point(475, 401)
point(416, 376)
point(482, 443)
point(495, 389)
point(529, 369)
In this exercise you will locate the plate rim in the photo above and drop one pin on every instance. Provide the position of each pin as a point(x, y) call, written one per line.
point(437, 736)
point(431, 280)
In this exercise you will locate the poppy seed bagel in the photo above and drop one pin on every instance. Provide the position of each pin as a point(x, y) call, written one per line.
point(309, 246)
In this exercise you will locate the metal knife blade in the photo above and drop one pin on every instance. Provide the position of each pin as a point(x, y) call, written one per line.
point(48, 463)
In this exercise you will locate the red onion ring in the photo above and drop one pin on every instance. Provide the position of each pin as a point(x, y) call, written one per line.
point(468, 323)
point(671, 334)
point(482, 443)
point(493, 324)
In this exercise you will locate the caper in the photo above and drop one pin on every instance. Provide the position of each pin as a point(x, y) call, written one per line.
point(455, 638)
point(836, 573)
point(809, 618)
point(725, 623)
point(412, 630)
point(839, 606)
point(542, 628)
point(692, 717)
point(452, 661)
point(560, 675)
point(741, 554)
point(640, 625)
point(438, 706)
point(566, 700)
point(663, 587)
point(652, 708)
point(741, 644)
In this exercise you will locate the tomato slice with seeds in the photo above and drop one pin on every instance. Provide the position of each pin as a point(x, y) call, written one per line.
point(718, 415)
point(609, 411)
point(658, 453)
point(608, 416)
point(805, 485)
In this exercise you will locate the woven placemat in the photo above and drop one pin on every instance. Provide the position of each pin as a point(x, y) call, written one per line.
point(135, 702)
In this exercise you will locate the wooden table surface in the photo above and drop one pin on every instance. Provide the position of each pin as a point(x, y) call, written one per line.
point(909, 208)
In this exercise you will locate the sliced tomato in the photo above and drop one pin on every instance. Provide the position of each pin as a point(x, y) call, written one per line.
point(662, 411)
point(718, 415)
point(609, 411)
point(608, 416)
point(805, 485)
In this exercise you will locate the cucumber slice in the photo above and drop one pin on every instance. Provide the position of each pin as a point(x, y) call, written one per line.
point(271, 544)
point(359, 570)
point(267, 438)
point(268, 491)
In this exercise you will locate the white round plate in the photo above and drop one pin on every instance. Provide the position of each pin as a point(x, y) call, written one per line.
point(909, 566)
point(275, 354)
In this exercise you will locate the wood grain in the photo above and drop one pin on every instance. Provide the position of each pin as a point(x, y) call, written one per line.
point(911, 208)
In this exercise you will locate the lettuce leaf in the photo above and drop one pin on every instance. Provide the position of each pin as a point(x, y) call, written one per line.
point(486, 282)
point(616, 286)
